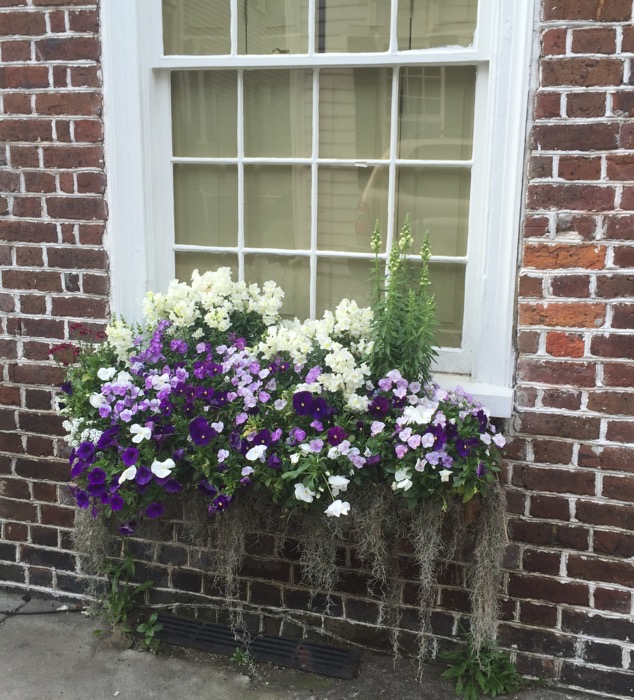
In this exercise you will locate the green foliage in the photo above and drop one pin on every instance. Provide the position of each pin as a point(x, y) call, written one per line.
point(120, 598)
point(487, 672)
point(149, 628)
point(404, 311)
point(240, 657)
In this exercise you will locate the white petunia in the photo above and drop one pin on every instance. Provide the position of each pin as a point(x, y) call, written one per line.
point(140, 433)
point(404, 484)
point(445, 474)
point(256, 452)
point(421, 414)
point(338, 508)
point(338, 484)
point(97, 400)
point(304, 494)
point(403, 473)
point(128, 475)
point(162, 469)
point(106, 373)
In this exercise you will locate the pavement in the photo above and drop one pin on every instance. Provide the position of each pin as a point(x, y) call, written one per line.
point(47, 653)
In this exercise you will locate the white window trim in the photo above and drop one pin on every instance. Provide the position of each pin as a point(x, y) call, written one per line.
point(138, 136)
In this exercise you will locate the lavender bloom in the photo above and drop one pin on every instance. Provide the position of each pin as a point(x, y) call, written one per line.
point(313, 375)
point(273, 461)
point(481, 470)
point(179, 346)
point(129, 456)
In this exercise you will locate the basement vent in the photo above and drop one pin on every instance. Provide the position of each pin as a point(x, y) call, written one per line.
point(291, 653)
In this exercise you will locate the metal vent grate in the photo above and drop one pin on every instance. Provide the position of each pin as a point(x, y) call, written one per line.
point(291, 653)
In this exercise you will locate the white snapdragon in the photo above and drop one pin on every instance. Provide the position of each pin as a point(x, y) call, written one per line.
point(119, 337)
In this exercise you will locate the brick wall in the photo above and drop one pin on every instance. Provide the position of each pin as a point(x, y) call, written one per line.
point(567, 605)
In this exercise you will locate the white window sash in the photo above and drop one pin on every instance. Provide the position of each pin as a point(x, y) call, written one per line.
point(140, 187)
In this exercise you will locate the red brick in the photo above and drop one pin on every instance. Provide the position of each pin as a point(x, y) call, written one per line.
point(612, 346)
point(604, 513)
point(9, 180)
point(79, 307)
point(579, 482)
point(624, 255)
point(557, 256)
point(23, 77)
point(548, 589)
point(594, 10)
point(22, 23)
point(42, 280)
point(26, 130)
point(17, 103)
point(77, 258)
point(75, 103)
point(85, 76)
point(619, 488)
point(60, 76)
point(541, 562)
point(528, 342)
point(579, 168)
point(585, 105)
point(15, 532)
point(594, 40)
point(39, 399)
point(615, 544)
point(623, 316)
point(594, 569)
point(547, 105)
point(540, 167)
point(558, 425)
point(623, 103)
point(570, 286)
point(57, 22)
point(573, 197)
point(17, 510)
point(582, 224)
point(568, 399)
point(24, 157)
point(554, 42)
point(627, 44)
point(550, 507)
point(73, 156)
point(32, 374)
point(614, 286)
point(539, 615)
point(76, 208)
point(541, 371)
point(618, 374)
point(561, 344)
point(626, 135)
point(612, 402)
point(612, 458)
point(33, 305)
point(620, 167)
point(9, 395)
point(88, 130)
point(575, 137)
point(68, 49)
point(620, 227)
point(29, 256)
point(16, 50)
point(42, 470)
point(39, 181)
point(581, 72)
point(620, 431)
point(627, 199)
point(612, 600)
point(91, 182)
point(84, 21)
point(530, 286)
point(34, 350)
point(569, 315)
point(39, 446)
point(27, 207)
point(552, 452)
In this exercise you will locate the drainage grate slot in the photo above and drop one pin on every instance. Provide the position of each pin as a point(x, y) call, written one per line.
point(291, 653)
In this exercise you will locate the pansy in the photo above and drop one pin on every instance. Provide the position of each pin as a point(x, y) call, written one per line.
point(303, 403)
point(256, 452)
point(140, 433)
point(336, 435)
point(338, 484)
point(164, 468)
point(106, 373)
point(337, 508)
point(302, 493)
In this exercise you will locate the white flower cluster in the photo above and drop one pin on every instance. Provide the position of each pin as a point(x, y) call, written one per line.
point(76, 433)
point(119, 337)
point(214, 297)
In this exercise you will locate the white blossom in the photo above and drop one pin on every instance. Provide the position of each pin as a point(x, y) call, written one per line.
point(337, 508)
point(302, 493)
point(162, 469)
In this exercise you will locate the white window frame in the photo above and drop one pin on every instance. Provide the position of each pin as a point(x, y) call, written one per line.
point(137, 118)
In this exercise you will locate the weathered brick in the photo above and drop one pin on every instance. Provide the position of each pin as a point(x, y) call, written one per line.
point(42, 280)
point(575, 137)
point(613, 402)
point(594, 40)
point(612, 600)
point(568, 399)
point(614, 544)
point(571, 286)
point(618, 374)
point(620, 431)
point(546, 256)
point(612, 345)
point(22, 23)
point(554, 42)
point(23, 77)
point(76, 208)
point(613, 286)
point(579, 168)
point(565, 314)
point(605, 11)
point(76, 103)
point(560, 344)
point(550, 507)
point(68, 49)
point(571, 196)
point(547, 105)
point(74, 258)
point(26, 130)
point(548, 589)
point(557, 425)
point(604, 513)
point(552, 451)
point(578, 482)
point(541, 562)
point(581, 72)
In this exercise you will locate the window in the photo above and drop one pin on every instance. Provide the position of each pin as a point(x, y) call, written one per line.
point(269, 136)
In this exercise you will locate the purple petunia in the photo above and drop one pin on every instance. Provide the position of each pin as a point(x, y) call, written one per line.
point(154, 510)
point(126, 529)
point(172, 486)
point(129, 456)
point(207, 488)
point(143, 475)
point(108, 438)
point(82, 499)
point(86, 451)
point(97, 477)
point(116, 502)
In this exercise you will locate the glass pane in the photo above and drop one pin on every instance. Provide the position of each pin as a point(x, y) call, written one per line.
point(437, 113)
point(278, 113)
point(291, 273)
point(204, 113)
point(186, 263)
point(272, 26)
point(447, 284)
point(338, 279)
point(196, 27)
point(423, 24)
point(206, 204)
point(353, 26)
point(436, 200)
point(350, 202)
point(354, 112)
point(277, 206)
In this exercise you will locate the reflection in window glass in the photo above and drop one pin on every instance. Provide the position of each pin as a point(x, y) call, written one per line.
point(196, 27)
point(291, 273)
point(272, 26)
point(187, 262)
point(354, 112)
point(278, 113)
point(338, 279)
point(353, 26)
point(206, 204)
point(277, 206)
point(447, 285)
point(424, 24)
point(204, 113)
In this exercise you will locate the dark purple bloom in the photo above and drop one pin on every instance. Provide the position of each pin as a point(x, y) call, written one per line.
point(462, 448)
point(245, 481)
point(482, 419)
point(273, 461)
point(379, 407)
point(235, 442)
point(481, 470)
point(97, 477)
point(77, 468)
point(440, 434)
point(108, 438)
point(219, 503)
point(172, 486)
point(127, 529)
point(177, 455)
point(201, 432)
point(372, 459)
point(207, 488)
point(263, 437)
point(143, 475)
point(336, 435)
point(83, 501)
point(129, 456)
point(116, 501)
point(67, 388)
point(205, 393)
point(86, 451)
point(303, 403)
point(154, 510)
point(98, 491)
point(319, 408)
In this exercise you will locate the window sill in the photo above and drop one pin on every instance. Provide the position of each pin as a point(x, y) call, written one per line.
point(497, 399)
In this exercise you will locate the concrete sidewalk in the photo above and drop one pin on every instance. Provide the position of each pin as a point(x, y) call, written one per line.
point(51, 656)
